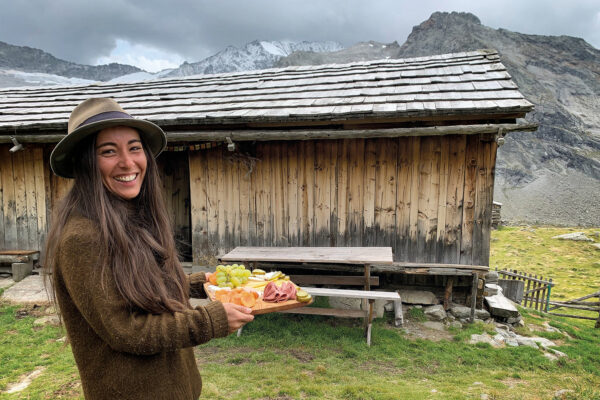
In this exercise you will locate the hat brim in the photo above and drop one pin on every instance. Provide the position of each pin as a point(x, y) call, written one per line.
point(61, 158)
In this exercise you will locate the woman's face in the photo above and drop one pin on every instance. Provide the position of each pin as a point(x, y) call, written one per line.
point(122, 161)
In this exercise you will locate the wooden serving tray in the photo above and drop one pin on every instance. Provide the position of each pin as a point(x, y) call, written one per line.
point(265, 307)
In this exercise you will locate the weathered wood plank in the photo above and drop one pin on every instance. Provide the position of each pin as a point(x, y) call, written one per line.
point(293, 187)
point(454, 199)
point(32, 226)
point(3, 150)
point(198, 166)
point(9, 202)
point(403, 198)
point(386, 191)
point(260, 195)
point(333, 188)
point(442, 199)
point(414, 234)
point(322, 193)
point(40, 197)
point(343, 154)
point(20, 200)
point(339, 255)
point(425, 166)
point(370, 172)
point(308, 192)
point(212, 202)
point(470, 186)
point(356, 192)
point(223, 201)
point(310, 280)
point(246, 215)
point(277, 203)
point(268, 196)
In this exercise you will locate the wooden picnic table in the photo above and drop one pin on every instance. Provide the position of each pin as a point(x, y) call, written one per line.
point(327, 258)
point(363, 257)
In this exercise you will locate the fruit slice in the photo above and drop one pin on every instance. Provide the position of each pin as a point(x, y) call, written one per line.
point(213, 279)
point(247, 299)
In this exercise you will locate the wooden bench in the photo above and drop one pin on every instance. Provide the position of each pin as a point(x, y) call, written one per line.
point(21, 262)
point(367, 295)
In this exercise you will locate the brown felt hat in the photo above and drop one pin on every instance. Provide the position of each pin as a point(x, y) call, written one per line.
point(89, 118)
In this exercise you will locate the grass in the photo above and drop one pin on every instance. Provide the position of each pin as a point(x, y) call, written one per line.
point(310, 357)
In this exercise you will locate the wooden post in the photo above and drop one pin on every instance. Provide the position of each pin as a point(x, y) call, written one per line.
point(598, 320)
point(448, 292)
point(474, 296)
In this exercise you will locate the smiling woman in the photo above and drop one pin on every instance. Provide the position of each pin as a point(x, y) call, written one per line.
point(115, 271)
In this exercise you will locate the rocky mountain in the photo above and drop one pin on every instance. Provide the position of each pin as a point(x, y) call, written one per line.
point(359, 52)
point(35, 61)
point(254, 55)
point(552, 175)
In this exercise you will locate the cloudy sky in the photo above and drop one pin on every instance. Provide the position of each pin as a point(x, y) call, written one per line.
point(153, 34)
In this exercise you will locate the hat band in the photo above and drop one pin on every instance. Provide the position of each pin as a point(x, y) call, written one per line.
point(104, 116)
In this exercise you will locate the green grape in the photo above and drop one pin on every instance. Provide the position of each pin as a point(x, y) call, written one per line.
point(221, 279)
point(236, 281)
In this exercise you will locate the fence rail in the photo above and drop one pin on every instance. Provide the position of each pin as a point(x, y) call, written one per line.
point(536, 290)
point(579, 304)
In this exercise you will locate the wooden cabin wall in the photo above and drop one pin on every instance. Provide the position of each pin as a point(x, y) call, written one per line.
point(429, 198)
point(23, 199)
point(174, 172)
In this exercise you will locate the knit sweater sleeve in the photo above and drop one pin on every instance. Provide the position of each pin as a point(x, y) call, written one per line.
point(109, 316)
point(197, 281)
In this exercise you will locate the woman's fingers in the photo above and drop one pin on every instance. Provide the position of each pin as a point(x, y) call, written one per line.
point(237, 316)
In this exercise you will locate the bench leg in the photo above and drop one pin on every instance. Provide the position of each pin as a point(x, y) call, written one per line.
point(21, 270)
point(369, 322)
point(398, 317)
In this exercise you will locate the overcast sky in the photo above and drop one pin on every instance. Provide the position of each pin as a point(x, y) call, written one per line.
point(153, 34)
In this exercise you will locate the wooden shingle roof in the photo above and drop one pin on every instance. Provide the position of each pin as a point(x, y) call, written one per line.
point(459, 84)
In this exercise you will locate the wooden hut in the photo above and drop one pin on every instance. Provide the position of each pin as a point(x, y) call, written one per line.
point(396, 153)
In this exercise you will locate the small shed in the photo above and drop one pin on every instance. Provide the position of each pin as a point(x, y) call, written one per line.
point(396, 153)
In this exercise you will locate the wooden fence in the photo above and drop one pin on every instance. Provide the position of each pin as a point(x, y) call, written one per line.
point(579, 304)
point(536, 290)
point(536, 295)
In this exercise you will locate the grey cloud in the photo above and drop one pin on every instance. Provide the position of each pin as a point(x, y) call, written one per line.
point(82, 31)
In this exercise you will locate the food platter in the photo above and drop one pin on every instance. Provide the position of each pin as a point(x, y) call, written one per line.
point(261, 306)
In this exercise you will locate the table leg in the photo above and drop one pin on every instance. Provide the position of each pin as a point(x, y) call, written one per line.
point(367, 287)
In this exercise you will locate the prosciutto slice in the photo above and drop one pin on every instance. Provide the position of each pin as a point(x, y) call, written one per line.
point(275, 294)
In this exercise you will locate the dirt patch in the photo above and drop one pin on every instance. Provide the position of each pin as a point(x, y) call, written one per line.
point(301, 356)
point(68, 390)
point(416, 330)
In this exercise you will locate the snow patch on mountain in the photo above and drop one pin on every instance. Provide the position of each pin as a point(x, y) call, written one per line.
point(14, 78)
point(254, 55)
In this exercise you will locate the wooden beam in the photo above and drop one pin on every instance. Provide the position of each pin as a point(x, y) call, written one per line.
point(306, 134)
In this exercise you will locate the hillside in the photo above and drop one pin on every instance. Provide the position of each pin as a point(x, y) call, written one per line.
point(30, 60)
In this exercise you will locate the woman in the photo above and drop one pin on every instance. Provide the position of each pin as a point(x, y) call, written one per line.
point(117, 281)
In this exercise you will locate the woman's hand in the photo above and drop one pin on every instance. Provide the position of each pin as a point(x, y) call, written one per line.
point(237, 316)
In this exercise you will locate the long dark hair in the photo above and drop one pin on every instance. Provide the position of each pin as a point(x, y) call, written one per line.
point(136, 237)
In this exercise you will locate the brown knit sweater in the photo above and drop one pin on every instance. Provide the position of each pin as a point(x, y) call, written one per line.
point(122, 354)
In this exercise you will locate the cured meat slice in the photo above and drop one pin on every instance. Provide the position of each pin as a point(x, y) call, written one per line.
point(276, 294)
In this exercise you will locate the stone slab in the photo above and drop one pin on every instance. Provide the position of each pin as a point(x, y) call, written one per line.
point(29, 290)
point(418, 297)
point(500, 306)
